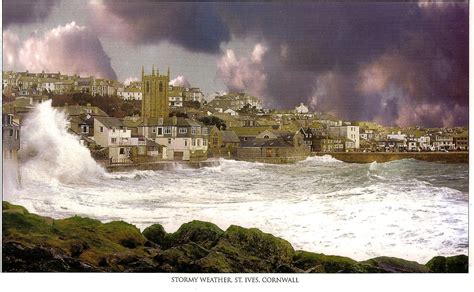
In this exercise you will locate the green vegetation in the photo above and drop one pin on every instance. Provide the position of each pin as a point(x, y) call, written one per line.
point(213, 120)
point(114, 106)
point(454, 264)
point(36, 243)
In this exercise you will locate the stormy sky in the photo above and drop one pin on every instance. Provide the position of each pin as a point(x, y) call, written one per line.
point(396, 63)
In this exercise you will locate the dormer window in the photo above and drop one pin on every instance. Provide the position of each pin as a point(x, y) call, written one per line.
point(266, 137)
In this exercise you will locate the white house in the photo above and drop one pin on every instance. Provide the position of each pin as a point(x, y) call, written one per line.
point(175, 101)
point(301, 109)
point(348, 132)
point(398, 136)
point(130, 93)
point(443, 143)
point(424, 142)
point(110, 132)
point(231, 112)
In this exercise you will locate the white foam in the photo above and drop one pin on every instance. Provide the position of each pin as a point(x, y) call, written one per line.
point(50, 152)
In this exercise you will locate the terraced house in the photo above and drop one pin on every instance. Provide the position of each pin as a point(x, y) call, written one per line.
point(184, 139)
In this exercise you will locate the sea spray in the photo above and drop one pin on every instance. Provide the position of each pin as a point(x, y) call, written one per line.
point(49, 152)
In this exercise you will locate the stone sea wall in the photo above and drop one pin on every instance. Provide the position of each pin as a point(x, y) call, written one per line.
point(32, 243)
point(368, 157)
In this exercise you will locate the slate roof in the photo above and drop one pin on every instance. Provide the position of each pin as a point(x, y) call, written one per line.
point(230, 137)
point(110, 122)
point(76, 110)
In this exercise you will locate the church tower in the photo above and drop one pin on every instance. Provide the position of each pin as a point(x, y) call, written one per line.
point(154, 96)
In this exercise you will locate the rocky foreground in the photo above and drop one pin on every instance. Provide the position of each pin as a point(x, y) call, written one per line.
point(40, 244)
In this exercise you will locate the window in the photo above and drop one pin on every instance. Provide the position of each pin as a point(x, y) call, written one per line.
point(113, 130)
point(198, 142)
point(204, 142)
point(161, 86)
point(183, 130)
point(153, 130)
point(169, 140)
point(266, 137)
point(11, 132)
point(204, 131)
point(113, 140)
point(193, 130)
point(167, 130)
point(17, 134)
point(122, 151)
point(194, 142)
point(148, 86)
point(101, 129)
point(269, 152)
point(185, 142)
point(160, 131)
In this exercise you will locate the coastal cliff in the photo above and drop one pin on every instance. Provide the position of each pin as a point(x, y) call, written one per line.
point(33, 243)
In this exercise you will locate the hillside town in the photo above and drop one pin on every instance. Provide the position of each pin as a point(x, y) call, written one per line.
point(178, 123)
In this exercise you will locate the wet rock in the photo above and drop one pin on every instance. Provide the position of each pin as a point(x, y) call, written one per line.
point(18, 257)
point(394, 265)
point(247, 250)
point(454, 264)
point(321, 263)
point(156, 234)
point(204, 234)
point(181, 258)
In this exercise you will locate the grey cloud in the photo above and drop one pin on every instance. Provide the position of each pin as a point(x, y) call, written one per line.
point(26, 11)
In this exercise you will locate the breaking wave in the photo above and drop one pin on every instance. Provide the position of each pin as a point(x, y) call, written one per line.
point(49, 152)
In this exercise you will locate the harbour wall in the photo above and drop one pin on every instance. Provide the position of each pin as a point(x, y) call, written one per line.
point(368, 157)
point(160, 165)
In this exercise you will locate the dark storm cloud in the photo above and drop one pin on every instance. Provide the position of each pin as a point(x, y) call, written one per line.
point(194, 26)
point(390, 62)
point(25, 11)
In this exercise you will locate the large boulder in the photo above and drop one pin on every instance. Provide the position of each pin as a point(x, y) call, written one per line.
point(247, 250)
point(454, 264)
point(203, 233)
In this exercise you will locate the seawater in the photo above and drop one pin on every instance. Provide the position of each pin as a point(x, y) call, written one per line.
point(409, 209)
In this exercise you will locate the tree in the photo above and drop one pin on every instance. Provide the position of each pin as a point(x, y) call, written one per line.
point(212, 120)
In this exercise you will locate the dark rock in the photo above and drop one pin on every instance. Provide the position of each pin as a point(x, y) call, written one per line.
point(214, 262)
point(244, 250)
point(288, 269)
point(321, 263)
point(181, 258)
point(76, 249)
point(394, 265)
point(20, 258)
point(156, 233)
point(203, 233)
point(454, 264)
